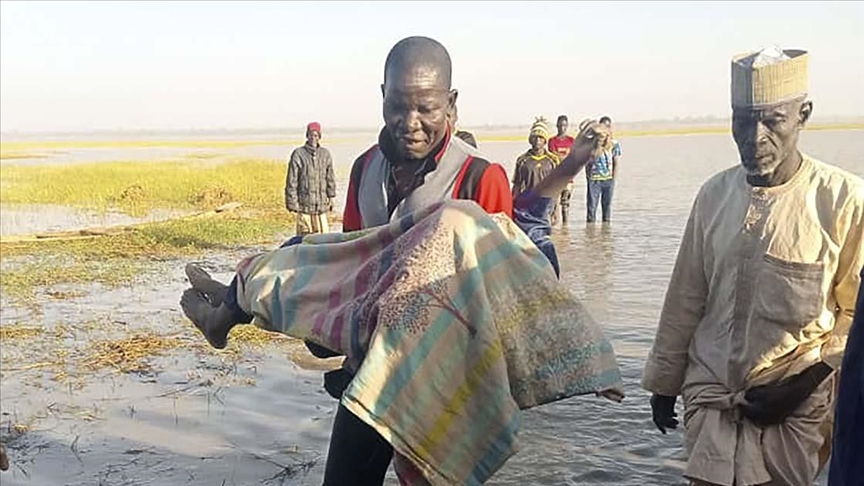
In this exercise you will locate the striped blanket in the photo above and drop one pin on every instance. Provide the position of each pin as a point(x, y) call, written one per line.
point(459, 321)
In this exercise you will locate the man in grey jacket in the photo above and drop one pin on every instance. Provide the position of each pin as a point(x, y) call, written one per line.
point(310, 186)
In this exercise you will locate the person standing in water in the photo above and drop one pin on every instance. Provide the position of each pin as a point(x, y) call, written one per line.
point(535, 164)
point(560, 146)
point(601, 177)
point(310, 185)
point(762, 295)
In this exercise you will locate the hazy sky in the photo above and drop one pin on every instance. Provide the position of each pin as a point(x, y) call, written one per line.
point(81, 66)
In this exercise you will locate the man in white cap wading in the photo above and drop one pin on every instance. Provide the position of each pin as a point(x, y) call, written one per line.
point(762, 294)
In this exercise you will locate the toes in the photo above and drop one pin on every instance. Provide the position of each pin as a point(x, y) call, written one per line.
point(195, 272)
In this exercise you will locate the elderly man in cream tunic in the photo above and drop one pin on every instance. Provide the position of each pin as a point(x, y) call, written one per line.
point(762, 294)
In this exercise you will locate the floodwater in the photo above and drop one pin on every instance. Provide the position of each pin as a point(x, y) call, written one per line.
point(182, 426)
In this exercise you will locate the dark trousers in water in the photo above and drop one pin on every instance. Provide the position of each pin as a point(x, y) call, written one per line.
point(358, 455)
point(565, 205)
point(847, 461)
point(600, 191)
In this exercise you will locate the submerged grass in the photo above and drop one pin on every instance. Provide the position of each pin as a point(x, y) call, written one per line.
point(128, 355)
point(123, 258)
point(17, 331)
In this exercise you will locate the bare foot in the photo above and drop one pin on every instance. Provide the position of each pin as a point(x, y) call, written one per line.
point(213, 322)
point(204, 283)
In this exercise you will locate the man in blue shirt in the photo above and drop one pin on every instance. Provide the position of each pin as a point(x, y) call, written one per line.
point(601, 177)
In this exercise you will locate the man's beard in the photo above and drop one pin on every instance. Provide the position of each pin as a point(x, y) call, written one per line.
point(761, 170)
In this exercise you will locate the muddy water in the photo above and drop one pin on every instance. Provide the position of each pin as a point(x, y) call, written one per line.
point(39, 218)
point(264, 420)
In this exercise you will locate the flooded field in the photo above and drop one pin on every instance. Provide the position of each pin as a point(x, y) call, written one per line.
point(257, 412)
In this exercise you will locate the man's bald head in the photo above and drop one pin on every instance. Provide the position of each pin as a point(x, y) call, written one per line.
point(420, 60)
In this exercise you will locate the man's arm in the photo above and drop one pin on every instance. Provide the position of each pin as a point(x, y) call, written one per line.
point(291, 202)
point(616, 156)
point(683, 309)
point(331, 177)
point(517, 179)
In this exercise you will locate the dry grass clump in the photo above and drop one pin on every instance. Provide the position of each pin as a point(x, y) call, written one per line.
point(254, 336)
point(128, 355)
point(10, 332)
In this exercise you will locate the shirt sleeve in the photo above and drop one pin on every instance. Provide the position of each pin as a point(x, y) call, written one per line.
point(331, 177)
point(493, 191)
point(682, 311)
point(846, 282)
point(351, 219)
point(291, 201)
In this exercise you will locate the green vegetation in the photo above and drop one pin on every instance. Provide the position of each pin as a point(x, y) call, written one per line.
point(138, 186)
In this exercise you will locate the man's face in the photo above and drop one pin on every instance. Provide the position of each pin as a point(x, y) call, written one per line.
point(562, 127)
point(767, 137)
point(537, 142)
point(313, 138)
point(416, 106)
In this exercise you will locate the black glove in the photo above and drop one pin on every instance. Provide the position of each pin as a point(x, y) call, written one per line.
point(771, 404)
point(663, 412)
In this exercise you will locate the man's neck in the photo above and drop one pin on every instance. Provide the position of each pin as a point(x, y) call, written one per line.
point(536, 152)
point(783, 174)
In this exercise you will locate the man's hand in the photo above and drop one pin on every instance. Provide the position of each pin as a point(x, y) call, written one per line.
point(663, 412)
point(587, 146)
point(772, 404)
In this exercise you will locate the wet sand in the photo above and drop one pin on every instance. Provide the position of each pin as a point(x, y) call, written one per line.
point(258, 417)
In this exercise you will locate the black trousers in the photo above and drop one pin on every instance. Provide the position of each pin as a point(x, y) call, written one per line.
point(358, 455)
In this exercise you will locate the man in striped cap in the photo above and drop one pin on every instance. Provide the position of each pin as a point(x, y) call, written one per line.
point(762, 295)
point(537, 162)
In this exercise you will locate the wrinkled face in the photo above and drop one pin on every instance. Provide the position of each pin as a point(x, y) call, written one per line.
point(537, 142)
point(562, 126)
point(313, 138)
point(767, 137)
point(416, 105)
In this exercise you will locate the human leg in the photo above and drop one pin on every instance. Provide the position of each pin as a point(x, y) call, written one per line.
point(566, 194)
point(304, 224)
point(607, 191)
point(593, 197)
point(358, 455)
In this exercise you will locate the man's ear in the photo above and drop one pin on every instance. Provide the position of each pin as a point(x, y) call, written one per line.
point(382, 90)
point(451, 98)
point(805, 112)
